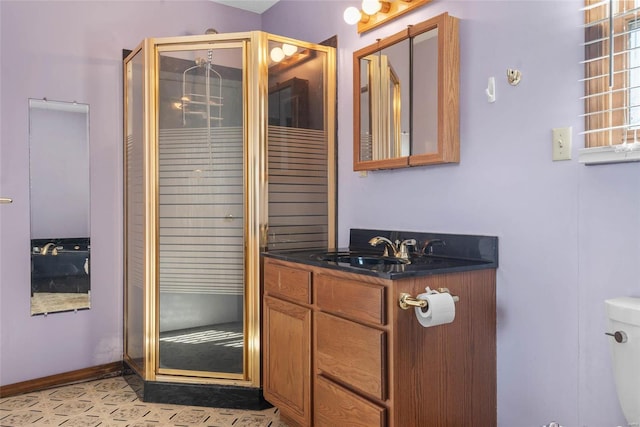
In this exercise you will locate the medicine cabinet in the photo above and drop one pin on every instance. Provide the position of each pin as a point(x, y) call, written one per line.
point(406, 97)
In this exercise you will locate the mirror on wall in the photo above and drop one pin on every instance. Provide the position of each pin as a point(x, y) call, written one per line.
point(59, 200)
point(406, 91)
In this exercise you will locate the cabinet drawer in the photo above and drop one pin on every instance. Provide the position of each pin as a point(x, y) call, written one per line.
point(352, 299)
point(335, 406)
point(352, 353)
point(291, 283)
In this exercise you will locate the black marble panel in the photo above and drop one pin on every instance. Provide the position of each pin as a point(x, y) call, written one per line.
point(64, 268)
point(445, 253)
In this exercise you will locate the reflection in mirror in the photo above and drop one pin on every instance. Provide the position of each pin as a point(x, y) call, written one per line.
point(289, 103)
point(384, 100)
point(425, 106)
point(59, 187)
point(406, 97)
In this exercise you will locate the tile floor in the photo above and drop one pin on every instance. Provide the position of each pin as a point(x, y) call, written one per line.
point(112, 402)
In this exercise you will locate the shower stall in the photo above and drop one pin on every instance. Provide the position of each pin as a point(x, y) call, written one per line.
point(229, 143)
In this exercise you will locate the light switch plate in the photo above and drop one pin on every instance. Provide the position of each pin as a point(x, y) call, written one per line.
point(561, 143)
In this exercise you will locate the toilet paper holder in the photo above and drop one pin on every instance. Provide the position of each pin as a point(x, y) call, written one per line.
point(406, 301)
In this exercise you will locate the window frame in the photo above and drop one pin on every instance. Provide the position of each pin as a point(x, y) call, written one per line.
point(607, 132)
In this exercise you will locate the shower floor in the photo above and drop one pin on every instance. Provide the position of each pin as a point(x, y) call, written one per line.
point(212, 348)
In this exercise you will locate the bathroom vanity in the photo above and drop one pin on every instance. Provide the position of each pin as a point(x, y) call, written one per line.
point(339, 350)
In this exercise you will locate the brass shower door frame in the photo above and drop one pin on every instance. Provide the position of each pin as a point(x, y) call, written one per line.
point(149, 237)
point(170, 374)
point(255, 96)
point(329, 73)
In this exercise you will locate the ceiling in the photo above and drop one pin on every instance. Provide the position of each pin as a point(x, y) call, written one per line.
point(257, 6)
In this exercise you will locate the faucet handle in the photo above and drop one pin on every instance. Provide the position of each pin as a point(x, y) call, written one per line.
point(403, 252)
point(48, 246)
point(428, 245)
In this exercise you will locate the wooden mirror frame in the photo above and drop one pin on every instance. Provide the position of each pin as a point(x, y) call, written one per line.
point(448, 119)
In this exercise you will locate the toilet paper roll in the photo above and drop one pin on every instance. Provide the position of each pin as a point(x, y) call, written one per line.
point(441, 310)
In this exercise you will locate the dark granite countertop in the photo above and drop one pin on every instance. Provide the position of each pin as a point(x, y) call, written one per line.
point(458, 253)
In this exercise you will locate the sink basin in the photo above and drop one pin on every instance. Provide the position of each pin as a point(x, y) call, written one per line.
point(364, 260)
point(381, 263)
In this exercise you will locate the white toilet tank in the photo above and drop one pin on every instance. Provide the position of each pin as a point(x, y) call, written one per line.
point(624, 323)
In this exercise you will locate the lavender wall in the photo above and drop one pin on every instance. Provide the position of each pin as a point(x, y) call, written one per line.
point(72, 50)
point(569, 234)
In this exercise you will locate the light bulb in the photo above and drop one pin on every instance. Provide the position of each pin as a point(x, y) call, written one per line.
point(351, 15)
point(289, 49)
point(371, 7)
point(276, 54)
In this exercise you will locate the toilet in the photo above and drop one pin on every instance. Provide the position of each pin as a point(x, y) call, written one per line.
point(624, 331)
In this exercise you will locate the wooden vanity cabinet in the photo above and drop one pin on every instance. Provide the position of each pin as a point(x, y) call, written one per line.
point(372, 363)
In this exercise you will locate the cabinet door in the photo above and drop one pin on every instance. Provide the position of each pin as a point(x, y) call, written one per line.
point(287, 358)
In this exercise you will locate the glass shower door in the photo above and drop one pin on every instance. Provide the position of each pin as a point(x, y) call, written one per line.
point(135, 247)
point(201, 258)
point(301, 157)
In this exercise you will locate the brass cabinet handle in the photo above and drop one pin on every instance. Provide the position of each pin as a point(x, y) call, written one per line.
point(5, 200)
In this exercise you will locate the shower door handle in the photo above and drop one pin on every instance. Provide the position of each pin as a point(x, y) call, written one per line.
point(5, 200)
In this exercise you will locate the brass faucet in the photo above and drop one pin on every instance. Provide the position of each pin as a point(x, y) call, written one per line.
point(46, 248)
point(427, 249)
point(399, 249)
point(375, 241)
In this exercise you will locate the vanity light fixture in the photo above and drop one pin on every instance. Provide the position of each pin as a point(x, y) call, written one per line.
point(289, 49)
point(287, 55)
point(371, 7)
point(352, 15)
point(276, 54)
point(376, 12)
point(279, 53)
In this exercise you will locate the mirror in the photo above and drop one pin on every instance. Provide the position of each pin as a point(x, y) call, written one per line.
point(406, 91)
point(384, 122)
point(59, 199)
